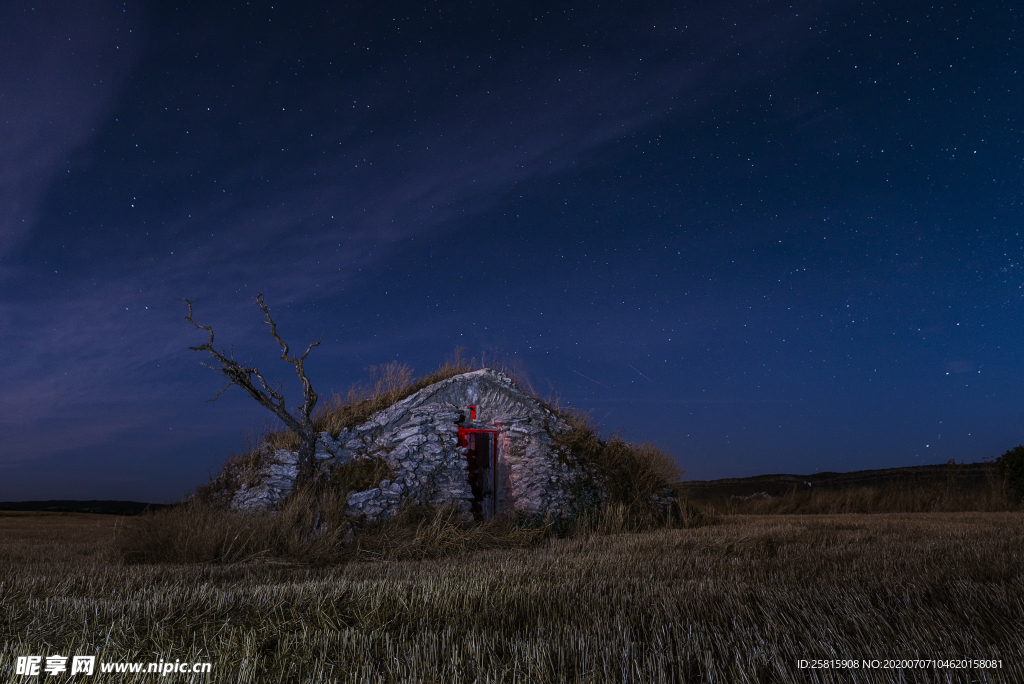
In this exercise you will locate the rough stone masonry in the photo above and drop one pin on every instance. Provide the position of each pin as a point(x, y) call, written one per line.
point(419, 438)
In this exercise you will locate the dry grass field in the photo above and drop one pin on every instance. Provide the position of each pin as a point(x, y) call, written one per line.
point(741, 600)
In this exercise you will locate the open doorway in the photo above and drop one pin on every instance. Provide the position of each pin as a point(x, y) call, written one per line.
point(481, 459)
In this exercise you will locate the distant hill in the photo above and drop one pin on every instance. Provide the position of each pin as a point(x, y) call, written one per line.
point(66, 506)
point(969, 475)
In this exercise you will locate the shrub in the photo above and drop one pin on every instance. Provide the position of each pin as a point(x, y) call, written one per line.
point(1010, 467)
point(627, 475)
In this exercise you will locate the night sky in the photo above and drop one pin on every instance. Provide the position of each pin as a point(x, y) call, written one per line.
point(769, 237)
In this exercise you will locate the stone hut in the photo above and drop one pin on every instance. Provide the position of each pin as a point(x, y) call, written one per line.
point(475, 441)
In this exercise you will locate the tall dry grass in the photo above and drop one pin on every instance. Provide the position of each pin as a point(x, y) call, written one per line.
point(741, 601)
point(199, 533)
point(311, 528)
point(389, 384)
point(620, 518)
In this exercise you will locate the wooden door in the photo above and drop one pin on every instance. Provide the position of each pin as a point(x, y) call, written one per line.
point(481, 448)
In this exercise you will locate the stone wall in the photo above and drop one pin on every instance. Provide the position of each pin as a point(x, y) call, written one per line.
point(418, 437)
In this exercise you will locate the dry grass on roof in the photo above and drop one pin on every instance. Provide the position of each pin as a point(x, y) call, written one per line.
point(389, 384)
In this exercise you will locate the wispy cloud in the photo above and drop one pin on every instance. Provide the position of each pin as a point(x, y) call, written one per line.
point(63, 65)
point(433, 160)
point(93, 349)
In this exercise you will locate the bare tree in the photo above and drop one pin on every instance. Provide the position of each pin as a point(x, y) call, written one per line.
point(242, 375)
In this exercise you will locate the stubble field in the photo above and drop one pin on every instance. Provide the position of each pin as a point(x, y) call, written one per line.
point(741, 600)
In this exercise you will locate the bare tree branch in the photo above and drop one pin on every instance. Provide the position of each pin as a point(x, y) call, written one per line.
point(309, 396)
point(217, 396)
point(242, 375)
